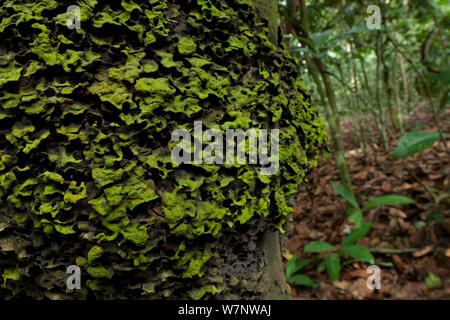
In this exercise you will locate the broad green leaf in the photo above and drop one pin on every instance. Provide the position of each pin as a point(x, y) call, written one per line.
point(295, 264)
point(333, 265)
point(302, 280)
point(389, 200)
point(414, 142)
point(358, 252)
point(356, 234)
point(318, 247)
point(346, 194)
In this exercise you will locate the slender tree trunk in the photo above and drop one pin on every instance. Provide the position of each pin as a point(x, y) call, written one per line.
point(380, 118)
point(387, 88)
point(362, 132)
point(336, 136)
point(406, 97)
point(333, 119)
point(363, 69)
point(400, 106)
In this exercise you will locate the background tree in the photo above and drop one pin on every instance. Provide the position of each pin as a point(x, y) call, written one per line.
point(329, 38)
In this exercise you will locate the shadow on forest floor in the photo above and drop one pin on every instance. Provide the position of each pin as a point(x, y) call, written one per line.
point(419, 233)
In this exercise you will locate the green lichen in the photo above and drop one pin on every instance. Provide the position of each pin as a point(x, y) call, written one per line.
point(186, 46)
point(94, 253)
point(86, 174)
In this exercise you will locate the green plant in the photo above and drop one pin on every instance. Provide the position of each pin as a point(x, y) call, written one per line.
point(414, 142)
point(348, 247)
point(332, 261)
point(294, 265)
point(357, 214)
point(432, 281)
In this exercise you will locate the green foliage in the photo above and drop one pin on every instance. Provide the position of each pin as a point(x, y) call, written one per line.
point(433, 281)
point(414, 142)
point(333, 266)
point(357, 216)
point(388, 200)
point(358, 252)
point(348, 247)
point(318, 247)
point(301, 280)
point(332, 260)
point(413, 52)
point(294, 265)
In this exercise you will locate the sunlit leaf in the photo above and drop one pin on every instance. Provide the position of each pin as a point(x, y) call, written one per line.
point(414, 142)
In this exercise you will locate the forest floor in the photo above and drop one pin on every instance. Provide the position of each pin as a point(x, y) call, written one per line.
point(419, 233)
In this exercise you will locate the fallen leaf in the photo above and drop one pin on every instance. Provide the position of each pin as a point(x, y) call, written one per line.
point(423, 252)
point(343, 285)
point(397, 262)
point(362, 175)
point(397, 213)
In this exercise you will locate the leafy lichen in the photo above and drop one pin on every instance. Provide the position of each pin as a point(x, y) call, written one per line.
point(86, 175)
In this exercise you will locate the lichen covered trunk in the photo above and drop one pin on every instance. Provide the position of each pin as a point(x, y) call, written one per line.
point(87, 172)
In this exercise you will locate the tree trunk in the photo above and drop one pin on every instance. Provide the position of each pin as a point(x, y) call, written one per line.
point(404, 82)
point(273, 243)
point(92, 174)
point(380, 118)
